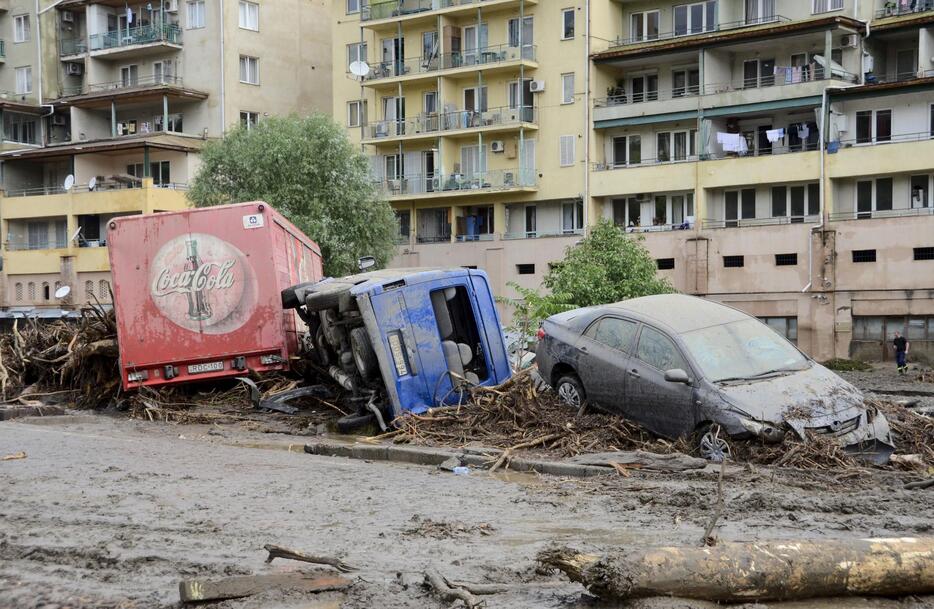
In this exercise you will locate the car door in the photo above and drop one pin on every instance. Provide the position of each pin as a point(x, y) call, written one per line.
point(665, 408)
point(603, 355)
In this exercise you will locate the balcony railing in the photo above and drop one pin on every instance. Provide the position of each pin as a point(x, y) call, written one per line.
point(22, 245)
point(889, 77)
point(727, 25)
point(893, 138)
point(498, 179)
point(645, 162)
point(131, 83)
point(450, 121)
point(383, 9)
point(145, 34)
point(543, 234)
point(710, 223)
point(476, 57)
point(73, 46)
point(897, 8)
point(881, 213)
point(102, 186)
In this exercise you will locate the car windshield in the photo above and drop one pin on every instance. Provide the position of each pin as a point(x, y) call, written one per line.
point(739, 350)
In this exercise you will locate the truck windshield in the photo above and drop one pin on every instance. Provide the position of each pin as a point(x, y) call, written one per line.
point(745, 349)
point(460, 335)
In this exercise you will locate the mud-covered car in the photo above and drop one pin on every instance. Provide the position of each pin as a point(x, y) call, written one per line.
point(682, 366)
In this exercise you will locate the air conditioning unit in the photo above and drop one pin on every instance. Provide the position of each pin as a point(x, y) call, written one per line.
point(497, 146)
point(68, 17)
point(74, 69)
point(850, 41)
point(59, 120)
point(537, 86)
point(171, 6)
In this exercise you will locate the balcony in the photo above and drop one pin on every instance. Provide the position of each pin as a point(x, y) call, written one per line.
point(382, 11)
point(543, 234)
point(73, 46)
point(456, 184)
point(489, 59)
point(709, 223)
point(842, 216)
point(858, 157)
point(685, 32)
point(461, 122)
point(25, 245)
point(899, 9)
point(145, 39)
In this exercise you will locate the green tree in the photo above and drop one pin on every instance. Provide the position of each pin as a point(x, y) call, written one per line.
point(530, 309)
point(307, 169)
point(606, 266)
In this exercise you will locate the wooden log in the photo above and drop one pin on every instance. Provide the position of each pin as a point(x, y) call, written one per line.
point(738, 572)
point(290, 554)
point(197, 590)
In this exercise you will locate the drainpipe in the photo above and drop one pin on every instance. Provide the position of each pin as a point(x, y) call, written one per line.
point(587, 115)
point(820, 224)
point(223, 72)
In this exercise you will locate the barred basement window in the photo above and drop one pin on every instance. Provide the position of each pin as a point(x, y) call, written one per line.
point(864, 255)
point(732, 262)
point(924, 253)
point(19, 292)
point(786, 259)
point(525, 269)
point(89, 290)
point(103, 288)
point(32, 291)
point(665, 264)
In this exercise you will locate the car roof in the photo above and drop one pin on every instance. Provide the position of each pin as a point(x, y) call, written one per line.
point(679, 312)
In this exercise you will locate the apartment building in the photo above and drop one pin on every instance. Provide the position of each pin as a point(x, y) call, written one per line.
point(109, 104)
point(777, 155)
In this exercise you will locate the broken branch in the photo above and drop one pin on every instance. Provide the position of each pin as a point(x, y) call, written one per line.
point(287, 553)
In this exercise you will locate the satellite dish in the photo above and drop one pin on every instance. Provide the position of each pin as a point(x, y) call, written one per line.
point(69, 182)
point(360, 68)
point(76, 235)
point(92, 183)
point(62, 292)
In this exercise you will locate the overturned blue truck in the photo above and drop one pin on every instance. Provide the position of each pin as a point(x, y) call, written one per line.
point(402, 340)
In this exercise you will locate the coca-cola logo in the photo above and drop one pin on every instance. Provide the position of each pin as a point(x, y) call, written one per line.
point(203, 283)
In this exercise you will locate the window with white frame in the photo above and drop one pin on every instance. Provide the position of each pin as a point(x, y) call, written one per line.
point(675, 145)
point(21, 28)
point(685, 82)
point(739, 205)
point(760, 11)
point(824, 6)
point(24, 80)
point(473, 161)
point(176, 122)
point(796, 202)
point(356, 52)
point(644, 25)
point(195, 14)
point(353, 6)
point(567, 144)
point(627, 150)
point(920, 192)
point(163, 71)
point(644, 88)
point(520, 96)
point(572, 217)
point(873, 196)
point(567, 24)
point(873, 126)
point(249, 16)
point(356, 113)
point(695, 18)
point(249, 70)
point(567, 88)
point(22, 128)
point(248, 120)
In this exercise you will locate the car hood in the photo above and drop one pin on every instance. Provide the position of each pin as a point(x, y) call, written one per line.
point(806, 397)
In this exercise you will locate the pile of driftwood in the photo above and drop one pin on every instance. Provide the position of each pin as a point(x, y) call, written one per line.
point(80, 358)
point(914, 432)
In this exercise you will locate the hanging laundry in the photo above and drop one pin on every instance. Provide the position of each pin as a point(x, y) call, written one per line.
point(774, 135)
point(732, 142)
point(129, 15)
point(803, 131)
point(796, 74)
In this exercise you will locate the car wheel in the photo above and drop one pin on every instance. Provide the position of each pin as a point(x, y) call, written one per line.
point(712, 444)
point(363, 355)
point(571, 392)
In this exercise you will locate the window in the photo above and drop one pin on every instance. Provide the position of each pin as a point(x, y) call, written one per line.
point(37, 236)
point(694, 18)
point(249, 70)
point(430, 49)
point(175, 123)
point(657, 350)
point(21, 28)
point(627, 150)
point(919, 197)
point(685, 82)
point(644, 26)
point(786, 259)
point(514, 97)
point(19, 291)
point(644, 88)
point(864, 255)
point(356, 113)
point(353, 6)
point(785, 326)
point(665, 264)
point(758, 73)
point(248, 120)
point(129, 75)
point(674, 146)
point(924, 253)
point(103, 287)
point(89, 290)
point(734, 262)
point(567, 145)
point(531, 221)
point(249, 16)
point(356, 52)
point(195, 14)
point(32, 290)
point(613, 332)
point(525, 269)
point(159, 171)
point(429, 102)
point(567, 88)
point(873, 126)
point(21, 128)
point(739, 205)
point(567, 24)
point(796, 202)
point(527, 33)
point(823, 6)
point(760, 11)
point(572, 217)
point(163, 71)
point(24, 80)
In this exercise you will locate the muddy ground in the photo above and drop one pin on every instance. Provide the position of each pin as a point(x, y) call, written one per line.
point(110, 512)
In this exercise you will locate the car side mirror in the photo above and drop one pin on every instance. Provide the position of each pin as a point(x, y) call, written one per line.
point(367, 262)
point(677, 375)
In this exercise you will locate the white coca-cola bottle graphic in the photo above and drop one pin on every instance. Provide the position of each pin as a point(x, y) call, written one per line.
point(198, 307)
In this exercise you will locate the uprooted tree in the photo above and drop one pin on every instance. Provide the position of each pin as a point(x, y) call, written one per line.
point(307, 169)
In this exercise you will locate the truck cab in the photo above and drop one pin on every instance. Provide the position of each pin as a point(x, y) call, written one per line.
point(404, 339)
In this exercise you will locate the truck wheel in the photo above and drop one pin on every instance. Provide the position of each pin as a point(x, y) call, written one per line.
point(355, 422)
point(363, 355)
point(571, 391)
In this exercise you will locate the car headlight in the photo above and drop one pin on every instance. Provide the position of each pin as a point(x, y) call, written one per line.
point(767, 432)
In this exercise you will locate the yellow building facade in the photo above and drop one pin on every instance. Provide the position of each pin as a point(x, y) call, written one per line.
point(773, 154)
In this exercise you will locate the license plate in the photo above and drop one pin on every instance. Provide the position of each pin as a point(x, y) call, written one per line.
point(206, 367)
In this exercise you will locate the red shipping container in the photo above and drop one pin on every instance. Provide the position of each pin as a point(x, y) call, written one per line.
point(197, 293)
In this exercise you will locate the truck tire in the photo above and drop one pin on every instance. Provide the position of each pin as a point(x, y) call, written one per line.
point(355, 422)
point(363, 355)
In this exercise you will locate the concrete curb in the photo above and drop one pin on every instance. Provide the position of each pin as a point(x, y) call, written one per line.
point(473, 457)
